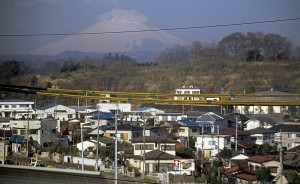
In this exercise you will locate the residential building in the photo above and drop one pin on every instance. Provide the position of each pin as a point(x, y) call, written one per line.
point(258, 161)
point(17, 109)
point(212, 122)
point(43, 132)
point(262, 121)
point(261, 135)
point(187, 129)
point(211, 144)
point(159, 154)
point(113, 107)
point(59, 112)
point(125, 132)
point(187, 90)
point(288, 135)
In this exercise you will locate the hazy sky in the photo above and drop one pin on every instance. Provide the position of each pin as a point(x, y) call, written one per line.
point(74, 16)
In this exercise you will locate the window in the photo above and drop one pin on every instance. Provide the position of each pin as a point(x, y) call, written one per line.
point(165, 147)
point(70, 116)
point(147, 147)
point(181, 130)
point(273, 169)
point(194, 129)
point(33, 131)
point(6, 106)
point(53, 130)
point(13, 106)
point(22, 132)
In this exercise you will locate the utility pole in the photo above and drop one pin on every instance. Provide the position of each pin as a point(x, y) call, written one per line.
point(144, 145)
point(116, 144)
point(27, 131)
point(202, 153)
point(280, 157)
point(236, 130)
point(97, 146)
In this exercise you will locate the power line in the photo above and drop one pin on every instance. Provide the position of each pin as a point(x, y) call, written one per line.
point(150, 30)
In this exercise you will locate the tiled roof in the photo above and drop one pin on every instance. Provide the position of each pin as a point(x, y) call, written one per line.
point(241, 117)
point(259, 159)
point(245, 144)
point(286, 128)
point(260, 130)
point(230, 131)
point(156, 139)
point(245, 176)
point(294, 149)
point(232, 169)
point(125, 127)
point(159, 155)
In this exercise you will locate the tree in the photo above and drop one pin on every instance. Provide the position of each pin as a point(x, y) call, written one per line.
point(276, 47)
point(185, 152)
point(225, 154)
point(234, 45)
point(263, 174)
point(265, 149)
point(196, 50)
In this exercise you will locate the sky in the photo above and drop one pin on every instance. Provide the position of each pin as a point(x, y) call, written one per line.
point(41, 17)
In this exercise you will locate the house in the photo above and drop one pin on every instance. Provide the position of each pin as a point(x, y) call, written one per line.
point(187, 129)
point(188, 90)
point(91, 144)
point(113, 107)
point(240, 141)
point(212, 122)
point(287, 134)
point(236, 120)
point(159, 153)
point(43, 132)
point(152, 143)
point(171, 116)
point(16, 108)
point(262, 135)
point(125, 132)
point(258, 161)
point(239, 160)
point(55, 111)
point(102, 119)
point(211, 144)
point(262, 121)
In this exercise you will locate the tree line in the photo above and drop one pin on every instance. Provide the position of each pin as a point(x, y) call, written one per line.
point(249, 47)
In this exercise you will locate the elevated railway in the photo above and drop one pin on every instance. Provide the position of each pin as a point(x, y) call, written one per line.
point(162, 98)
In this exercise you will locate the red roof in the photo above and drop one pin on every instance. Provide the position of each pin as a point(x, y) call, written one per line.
point(232, 169)
point(259, 159)
point(245, 144)
point(232, 132)
point(248, 177)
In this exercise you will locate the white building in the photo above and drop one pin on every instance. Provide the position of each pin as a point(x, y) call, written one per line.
point(16, 108)
point(110, 107)
point(60, 112)
point(187, 90)
point(212, 144)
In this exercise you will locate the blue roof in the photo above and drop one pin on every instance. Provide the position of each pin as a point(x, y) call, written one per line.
point(16, 139)
point(104, 116)
point(188, 123)
point(104, 127)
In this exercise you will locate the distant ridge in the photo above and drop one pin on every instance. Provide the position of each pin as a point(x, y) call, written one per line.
point(140, 56)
